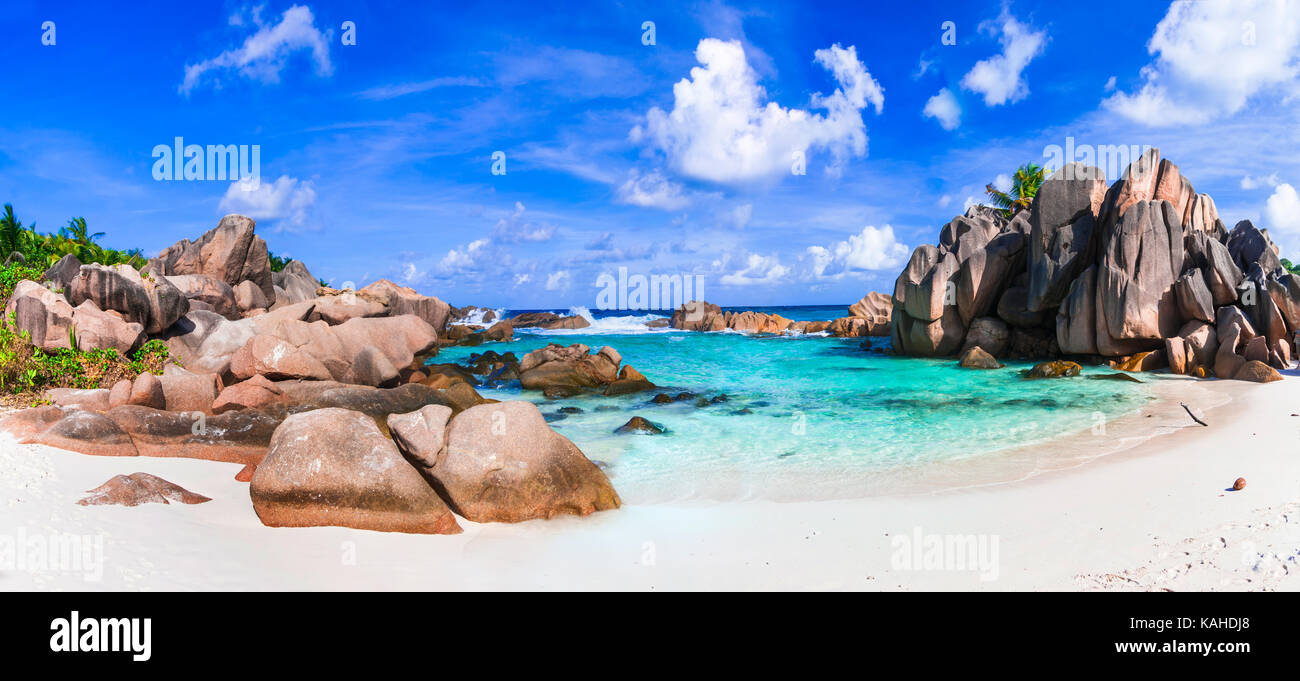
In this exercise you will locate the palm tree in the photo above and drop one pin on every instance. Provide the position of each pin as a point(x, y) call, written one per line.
point(78, 232)
point(1024, 185)
point(11, 231)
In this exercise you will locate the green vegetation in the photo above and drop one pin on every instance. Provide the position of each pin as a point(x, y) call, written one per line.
point(26, 370)
point(1024, 186)
point(1293, 269)
point(277, 263)
point(42, 250)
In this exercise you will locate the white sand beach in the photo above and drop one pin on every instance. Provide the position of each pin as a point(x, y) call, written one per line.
point(1157, 515)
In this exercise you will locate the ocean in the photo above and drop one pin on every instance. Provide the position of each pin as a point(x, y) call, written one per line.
point(805, 416)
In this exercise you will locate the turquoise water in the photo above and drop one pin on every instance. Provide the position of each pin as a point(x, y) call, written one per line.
point(805, 416)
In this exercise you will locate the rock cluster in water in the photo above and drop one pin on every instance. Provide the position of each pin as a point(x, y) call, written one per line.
point(1143, 273)
point(867, 317)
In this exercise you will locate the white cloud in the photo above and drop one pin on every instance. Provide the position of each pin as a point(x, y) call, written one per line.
point(521, 279)
point(872, 249)
point(395, 90)
point(722, 130)
point(1211, 57)
point(411, 274)
point(758, 269)
point(1000, 78)
point(741, 215)
point(1283, 210)
point(265, 53)
point(287, 199)
point(514, 228)
point(651, 190)
point(944, 108)
point(1110, 84)
point(558, 281)
point(1249, 182)
point(462, 259)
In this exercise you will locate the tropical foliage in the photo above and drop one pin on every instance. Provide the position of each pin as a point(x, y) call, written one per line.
point(40, 250)
point(277, 262)
point(1024, 186)
point(26, 370)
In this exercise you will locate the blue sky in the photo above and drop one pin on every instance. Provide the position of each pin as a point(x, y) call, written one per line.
point(376, 158)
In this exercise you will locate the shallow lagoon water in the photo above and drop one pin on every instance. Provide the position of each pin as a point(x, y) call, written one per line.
point(805, 417)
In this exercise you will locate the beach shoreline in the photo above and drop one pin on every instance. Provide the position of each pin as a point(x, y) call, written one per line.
point(1155, 515)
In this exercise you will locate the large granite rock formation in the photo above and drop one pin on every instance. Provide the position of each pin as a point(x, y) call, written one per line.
point(335, 467)
point(1144, 266)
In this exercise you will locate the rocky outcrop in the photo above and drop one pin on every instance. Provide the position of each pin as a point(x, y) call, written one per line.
point(704, 316)
point(230, 253)
point(140, 488)
point(1062, 219)
point(572, 367)
point(207, 293)
point(873, 305)
point(698, 315)
point(63, 272)
point(1144, 267)
point(257, 392)
point(629, 381)
point(503, 463)
point(400, 300)
point(52, 323)
point(335, 467)
point(547, 320)
point(293, 284)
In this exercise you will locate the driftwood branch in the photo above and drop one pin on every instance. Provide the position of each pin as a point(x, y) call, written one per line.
point(1189, 413)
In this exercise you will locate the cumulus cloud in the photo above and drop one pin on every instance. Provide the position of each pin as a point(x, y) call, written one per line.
point(758, 269)
point(558, 281)
point(1283, 210)
point(872, 249)
point(287, 200)
point(1001, 78)
point(1211, 57)
point(944, 108)
point(722, 128)
point(515, 228)
point(264, 54)
point(1249, 182)
point(412, 274)
point(651, 190)
point(521, 279)
point(464, 259)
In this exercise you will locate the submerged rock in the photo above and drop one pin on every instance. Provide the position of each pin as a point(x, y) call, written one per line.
point(1115, 377)
point(638, 424)
point(976, 358)
point(1054, 369)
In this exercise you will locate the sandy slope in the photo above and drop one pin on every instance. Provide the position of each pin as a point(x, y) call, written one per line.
point(1154, 516)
